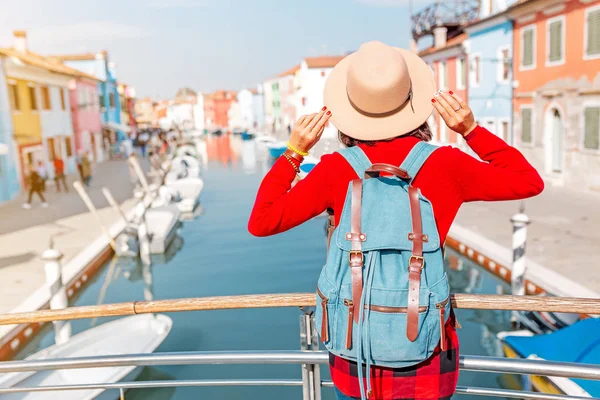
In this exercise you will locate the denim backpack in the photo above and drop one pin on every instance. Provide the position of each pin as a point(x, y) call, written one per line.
point(383, 295)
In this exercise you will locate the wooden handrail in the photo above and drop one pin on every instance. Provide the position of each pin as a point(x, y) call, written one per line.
point(470, 301)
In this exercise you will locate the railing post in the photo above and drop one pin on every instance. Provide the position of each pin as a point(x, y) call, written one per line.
point(311, 373)
point(58, 299)
point(519, 264)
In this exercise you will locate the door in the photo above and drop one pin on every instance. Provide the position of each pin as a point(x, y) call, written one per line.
point(557, 141)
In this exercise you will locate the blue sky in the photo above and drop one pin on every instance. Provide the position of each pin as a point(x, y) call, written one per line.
point(161, 45)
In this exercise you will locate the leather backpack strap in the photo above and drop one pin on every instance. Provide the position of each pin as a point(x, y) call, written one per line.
point(415, 264)
point(356, 237)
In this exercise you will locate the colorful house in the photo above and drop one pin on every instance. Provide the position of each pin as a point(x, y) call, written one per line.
point(447, 59)
point(258, 107)
point(99, 66)
point(144, 112)
point(85, 111)
point(287, 96)
point(490, 49)
point(310, 83)
point(268, 104)
point(38, 94)
point(127, 101)
point(222, 100)
point(557, 88)
point(10, 185)
point(209, 111)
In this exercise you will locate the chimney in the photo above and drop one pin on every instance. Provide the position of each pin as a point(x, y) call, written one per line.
point(20, 41)
point(440, 35)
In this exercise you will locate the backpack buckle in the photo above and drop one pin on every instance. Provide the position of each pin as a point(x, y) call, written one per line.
point(417, 258)
point(357, 253)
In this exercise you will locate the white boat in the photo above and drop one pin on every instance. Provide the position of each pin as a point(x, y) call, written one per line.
point(307, 165)
point(188, 191)
point(183, 166)
point(186, 149)
point(264, 139)
point(138, 334)
point(163, 223)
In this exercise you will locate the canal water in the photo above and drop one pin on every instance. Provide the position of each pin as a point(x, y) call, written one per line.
point(218, 257)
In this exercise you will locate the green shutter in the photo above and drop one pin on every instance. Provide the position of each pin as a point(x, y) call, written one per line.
point(526, 125)
point(528, 48)
point(555, 53)
point(593, 33)
point(592, 128)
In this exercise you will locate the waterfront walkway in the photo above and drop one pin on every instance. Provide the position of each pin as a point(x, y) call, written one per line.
point(25, 234)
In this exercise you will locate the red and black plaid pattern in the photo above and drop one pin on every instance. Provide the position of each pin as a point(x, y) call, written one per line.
point(434, 378)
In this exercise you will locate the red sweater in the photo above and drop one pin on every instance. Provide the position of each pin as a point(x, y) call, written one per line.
point(449, 178)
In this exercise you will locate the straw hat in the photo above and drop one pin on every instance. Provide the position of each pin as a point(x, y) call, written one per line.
point(379, 92)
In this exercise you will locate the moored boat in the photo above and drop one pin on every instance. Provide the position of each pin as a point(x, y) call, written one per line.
point(578, 343)
point(276, 149)
point(307, 165)
point(138, 334)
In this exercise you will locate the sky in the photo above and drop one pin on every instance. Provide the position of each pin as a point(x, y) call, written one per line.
point(161, 45)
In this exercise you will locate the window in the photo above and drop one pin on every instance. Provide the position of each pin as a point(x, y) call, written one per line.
point(592, 33)
point(323, 74)
point(51, 149)
point(526, 122)
point(63, 102)
point(504, 131)
point(68, 147)
point(490, 125)
point(33, 98)
point(591, 139)
point(504, 65)
point(101, 97)
point(443, 75)
point(555, 41)
point(461, 73)
point(45, 98)
point(475, 70)
point(112, 100)
point(13, 93)
point(528, 47)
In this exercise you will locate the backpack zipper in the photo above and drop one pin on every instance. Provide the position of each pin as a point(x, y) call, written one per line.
point(350, 305)
point(442, 309)
point(324, 319)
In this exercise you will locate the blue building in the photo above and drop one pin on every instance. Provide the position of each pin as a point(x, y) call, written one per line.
point(99, 66)
point(490, 49)
point(10, 184)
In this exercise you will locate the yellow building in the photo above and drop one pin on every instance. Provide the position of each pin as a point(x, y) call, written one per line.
point(39, 101)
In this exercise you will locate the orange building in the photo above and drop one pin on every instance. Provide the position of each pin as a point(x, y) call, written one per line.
point(222, 100)
point(556, 98)
point(447, 59)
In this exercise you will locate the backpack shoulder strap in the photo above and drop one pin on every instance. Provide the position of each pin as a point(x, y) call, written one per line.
point(416, 158)
point(357, 160)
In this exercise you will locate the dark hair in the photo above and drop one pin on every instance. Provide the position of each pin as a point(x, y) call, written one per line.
point(422, 132)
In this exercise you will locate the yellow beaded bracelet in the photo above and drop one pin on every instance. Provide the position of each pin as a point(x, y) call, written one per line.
point(295, 150)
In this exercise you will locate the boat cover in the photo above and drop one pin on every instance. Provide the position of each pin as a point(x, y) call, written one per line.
point(578, 343)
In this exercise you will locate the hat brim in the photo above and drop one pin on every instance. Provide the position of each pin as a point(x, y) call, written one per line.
point(362, 127)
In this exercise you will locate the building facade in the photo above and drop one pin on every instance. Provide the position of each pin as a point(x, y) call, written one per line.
point(490, 49)
point(10, 184)
point(310, 83)
point(557, 89)
point(287, 97)
point(222, 100)
point(85, 112)
point(38, 89)
point(209, 111)
point(258, 107)
point(268, 105)
point(144, 112)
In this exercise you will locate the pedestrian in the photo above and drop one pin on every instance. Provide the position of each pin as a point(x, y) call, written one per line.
point(35, 183)
point(43, 173)
point(86, 169)
point(59, 174)
point(379, 99)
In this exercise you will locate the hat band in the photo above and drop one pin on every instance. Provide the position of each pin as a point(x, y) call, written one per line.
point(386, 113)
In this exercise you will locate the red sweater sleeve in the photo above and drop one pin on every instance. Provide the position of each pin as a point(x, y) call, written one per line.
point(504, 173)
point(280, 207)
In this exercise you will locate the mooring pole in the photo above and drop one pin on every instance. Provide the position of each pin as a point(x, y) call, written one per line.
point(519, 263)
point(58, 293)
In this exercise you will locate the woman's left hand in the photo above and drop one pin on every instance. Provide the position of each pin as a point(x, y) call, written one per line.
point(456, 113)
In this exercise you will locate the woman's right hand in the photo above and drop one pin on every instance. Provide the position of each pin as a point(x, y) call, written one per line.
point(455, 112)
point(308, 130)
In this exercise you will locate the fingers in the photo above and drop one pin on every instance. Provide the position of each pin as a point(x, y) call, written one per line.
point(460, 101)
point(441, 100)
point(440, 109)
point(323, 120)
point(301, 120)
point(451, 101)
point(316, 119)
point(307, 120)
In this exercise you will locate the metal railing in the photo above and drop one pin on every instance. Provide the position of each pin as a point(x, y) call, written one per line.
point(309, 357)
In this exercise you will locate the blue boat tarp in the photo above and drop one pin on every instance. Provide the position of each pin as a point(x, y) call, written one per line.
point(578, 343)
point(307, 167)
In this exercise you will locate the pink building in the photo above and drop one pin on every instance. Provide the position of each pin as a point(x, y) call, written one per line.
point(85, 109)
